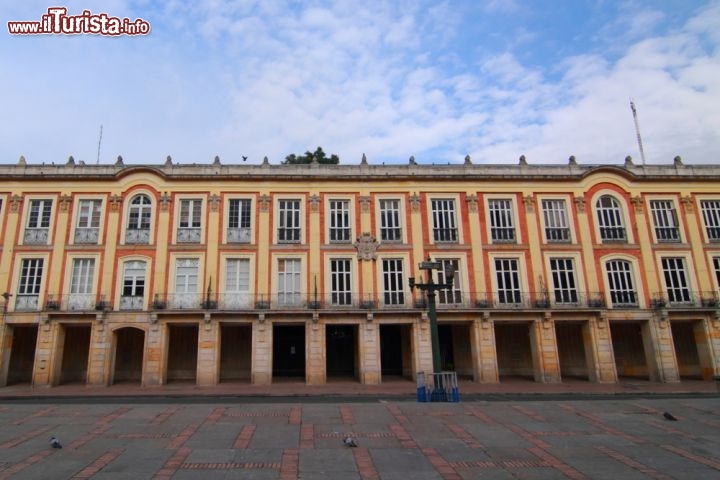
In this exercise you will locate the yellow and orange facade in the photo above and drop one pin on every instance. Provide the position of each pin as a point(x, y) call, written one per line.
point(251, 273)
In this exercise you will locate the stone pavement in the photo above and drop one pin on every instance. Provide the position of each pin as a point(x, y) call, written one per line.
point(176, 437)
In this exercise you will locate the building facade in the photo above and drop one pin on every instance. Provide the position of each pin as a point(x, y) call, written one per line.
point(251, 273)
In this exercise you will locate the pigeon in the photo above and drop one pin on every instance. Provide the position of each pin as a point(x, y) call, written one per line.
point(350, 441)
point(55, 443)
point(669, 416)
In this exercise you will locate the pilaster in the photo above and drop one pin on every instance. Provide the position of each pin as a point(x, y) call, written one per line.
point(369, 352)
point(208, 367)
point(546, 361)
point(315, 363)
point(261, 370)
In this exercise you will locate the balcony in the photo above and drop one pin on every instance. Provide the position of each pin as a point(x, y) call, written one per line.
point(132, 302)
point(679, 299)
point(87, 236)
point(71, 302)
point(238, 235)
point(188, 235)
point(137, 236)
point(27, 303)
point(36, 236)
point(613, 234)
point(557, 235)
point(667, 234)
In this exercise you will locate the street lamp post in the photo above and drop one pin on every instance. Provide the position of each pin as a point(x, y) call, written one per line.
point(431, 288)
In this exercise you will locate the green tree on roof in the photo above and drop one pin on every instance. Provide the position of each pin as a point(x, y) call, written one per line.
point(307, 157)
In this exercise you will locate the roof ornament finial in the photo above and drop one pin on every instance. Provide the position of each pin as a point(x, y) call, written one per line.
point(363, 160)
point(412, 160)
point(216, 160)
point(265, 160)
point(22, 161)
point(628, 161)
point(71, 160)
point(119, 161)
point(571, 160)
point(168, 161)
point(678, 161)
point(468, 160)
point(523, 160)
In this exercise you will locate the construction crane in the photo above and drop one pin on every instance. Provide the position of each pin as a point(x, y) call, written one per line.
point(637, 131)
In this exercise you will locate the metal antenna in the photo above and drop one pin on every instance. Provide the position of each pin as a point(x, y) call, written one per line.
point(99, 142)
point(637, 131)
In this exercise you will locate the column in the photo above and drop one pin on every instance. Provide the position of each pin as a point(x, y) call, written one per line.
point(488, 351)
point(99, 360)
point(546, 362)
point(369, 352)
point(261, 370)
point(208, 367)
point(155, 353)
point(600, 347)
point(315, 366)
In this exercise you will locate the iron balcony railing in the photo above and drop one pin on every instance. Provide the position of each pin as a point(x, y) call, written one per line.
point(444, 301)
point(683, 298)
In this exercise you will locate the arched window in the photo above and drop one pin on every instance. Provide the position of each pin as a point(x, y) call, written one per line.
point(610, 219)
point(138, 226)
point(621, 283)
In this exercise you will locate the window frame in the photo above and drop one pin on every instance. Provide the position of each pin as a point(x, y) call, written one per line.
point(550, 216)
point(339, 220)
point(614, 213)
point(666, 216)
point(443, 219)
point(295, 225)
point(385, 214)
point(509, 216)
point(240, 220)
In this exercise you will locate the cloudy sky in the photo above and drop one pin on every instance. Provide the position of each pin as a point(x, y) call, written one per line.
point(438, 80)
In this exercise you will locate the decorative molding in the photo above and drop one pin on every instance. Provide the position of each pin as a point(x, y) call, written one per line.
point(165, 202)
point(638, 204)
point(314, 203)
point(366, 246)
point(65, 201)
point(580, 204)
point(365, 203)
point(472, 203)
point(15, 203)
point(115, 201)
point(264, 203)
point(529, 202)
point(415, 202)
point(688, 203)
point(214, 202)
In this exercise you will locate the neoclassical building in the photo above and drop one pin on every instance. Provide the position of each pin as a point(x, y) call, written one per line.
point(253, 273)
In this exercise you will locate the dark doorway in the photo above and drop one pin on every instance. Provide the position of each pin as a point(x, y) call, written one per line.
point(235, 353)
point(455, 349)
point(340, 346)
point(394, 350)
point(289, 351)
point(686, 351)
point(22, 354)
point(514, 354)
point(129, 353)
point(182, 353)
point(571, 350)
point(76, 348)
point(447, 357)
point(627, 342)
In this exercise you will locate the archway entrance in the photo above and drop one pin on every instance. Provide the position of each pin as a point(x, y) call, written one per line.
point(129, 355)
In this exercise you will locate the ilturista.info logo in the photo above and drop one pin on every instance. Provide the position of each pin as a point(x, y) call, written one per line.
point(57, 22)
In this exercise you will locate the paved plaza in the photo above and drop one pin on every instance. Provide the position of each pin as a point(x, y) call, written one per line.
point(224, 437)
